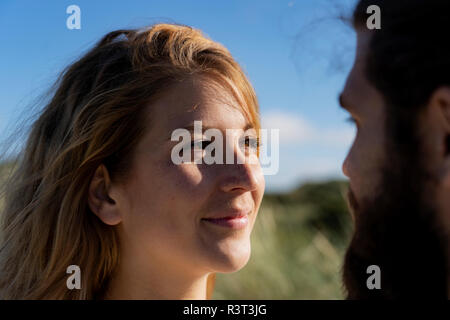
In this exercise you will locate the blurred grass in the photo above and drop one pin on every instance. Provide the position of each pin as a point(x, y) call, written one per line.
point(298, 245)
point(5, 170)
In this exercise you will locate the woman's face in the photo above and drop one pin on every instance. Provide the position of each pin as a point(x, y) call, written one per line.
point(168, 211)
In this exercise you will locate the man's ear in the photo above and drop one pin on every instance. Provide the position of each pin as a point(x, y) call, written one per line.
point(441, 99)
point(440, 102)
point(99, 197)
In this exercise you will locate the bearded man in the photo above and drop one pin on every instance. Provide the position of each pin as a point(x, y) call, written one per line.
point(398, 95)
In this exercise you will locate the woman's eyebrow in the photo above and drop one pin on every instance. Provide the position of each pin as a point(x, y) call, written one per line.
point(249, 126)
point(190, 127)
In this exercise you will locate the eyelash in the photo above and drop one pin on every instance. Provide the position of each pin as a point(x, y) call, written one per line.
point(253, 143)
point(203, 142)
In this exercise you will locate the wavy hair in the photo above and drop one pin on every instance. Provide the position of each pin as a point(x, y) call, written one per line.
point(94, 116)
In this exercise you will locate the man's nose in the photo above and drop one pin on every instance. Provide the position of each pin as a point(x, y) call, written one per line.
point(346, 166)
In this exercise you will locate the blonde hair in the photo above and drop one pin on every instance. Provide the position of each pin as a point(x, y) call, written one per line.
point(94, 117)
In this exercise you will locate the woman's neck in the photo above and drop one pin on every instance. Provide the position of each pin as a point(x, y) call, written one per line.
point(136, 278)
point(133, 289)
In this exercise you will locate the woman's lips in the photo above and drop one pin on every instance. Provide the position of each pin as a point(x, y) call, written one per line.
point(235, 222)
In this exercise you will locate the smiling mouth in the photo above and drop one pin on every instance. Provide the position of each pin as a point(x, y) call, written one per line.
point(238, 221)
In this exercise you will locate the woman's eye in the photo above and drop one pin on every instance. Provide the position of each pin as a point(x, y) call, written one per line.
point(201, 144)
point(252, 143)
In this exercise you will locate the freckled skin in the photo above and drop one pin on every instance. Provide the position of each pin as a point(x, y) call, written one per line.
point(164, 202)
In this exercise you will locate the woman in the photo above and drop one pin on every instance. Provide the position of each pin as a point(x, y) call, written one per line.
point(96, 187)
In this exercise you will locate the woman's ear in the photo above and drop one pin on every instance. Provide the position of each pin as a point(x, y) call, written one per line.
point(99, 197)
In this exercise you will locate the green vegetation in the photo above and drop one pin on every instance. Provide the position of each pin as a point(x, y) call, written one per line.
point(5, 170)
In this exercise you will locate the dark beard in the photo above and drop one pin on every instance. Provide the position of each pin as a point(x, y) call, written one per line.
point(397, 229)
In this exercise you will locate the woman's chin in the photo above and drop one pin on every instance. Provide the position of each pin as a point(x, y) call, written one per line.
point(232, 258)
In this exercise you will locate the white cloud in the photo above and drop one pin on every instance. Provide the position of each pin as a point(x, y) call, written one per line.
point(308, 151)
point(294, 128)
point(296, 170)
point(336, 137)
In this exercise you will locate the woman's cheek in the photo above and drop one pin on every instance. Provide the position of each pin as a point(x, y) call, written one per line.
point(187, 182)
point(261, 182)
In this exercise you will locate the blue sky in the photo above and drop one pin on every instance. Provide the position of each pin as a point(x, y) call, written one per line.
point(296, 54)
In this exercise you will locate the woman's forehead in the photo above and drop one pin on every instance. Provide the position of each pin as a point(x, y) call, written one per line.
point(197, 100)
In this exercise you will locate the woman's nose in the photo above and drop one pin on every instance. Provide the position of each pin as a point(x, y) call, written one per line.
point(243, 173)
point(240, 177)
